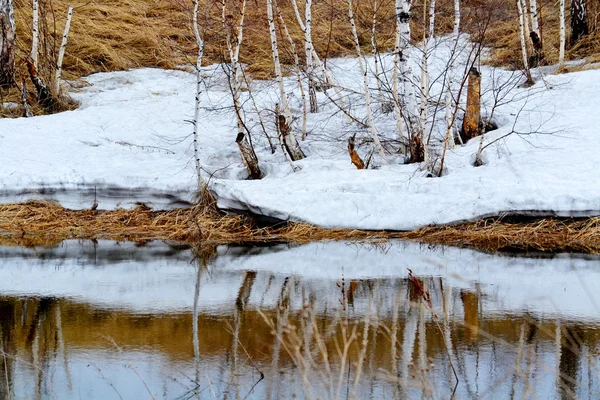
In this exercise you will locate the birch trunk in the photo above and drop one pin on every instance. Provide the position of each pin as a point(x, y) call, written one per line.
point(450, 79)
point(7, 44)
point(523, 43)
point(363, 71)
point(235, 80)
point(289, 135)
point(200, 43)
point(398, 90)
point(26, 109)
point(561, 56)
point(428, 35)
point(407, 99)
point(296, 65)
point(35, 32)
point(45, 98)
point(61, 51)
point(456, 16)
point(312, 60)
point(535, 26)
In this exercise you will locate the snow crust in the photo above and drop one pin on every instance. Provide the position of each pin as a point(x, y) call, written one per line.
point(131, 141)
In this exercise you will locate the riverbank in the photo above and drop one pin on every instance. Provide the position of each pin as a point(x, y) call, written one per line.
point(43, 223)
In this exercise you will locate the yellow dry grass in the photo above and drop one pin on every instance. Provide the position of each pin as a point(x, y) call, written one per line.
point(41, 223)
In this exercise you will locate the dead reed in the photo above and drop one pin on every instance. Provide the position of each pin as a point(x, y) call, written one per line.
point(42, 223)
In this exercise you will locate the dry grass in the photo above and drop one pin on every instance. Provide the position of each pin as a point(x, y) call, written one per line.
point(121, 34)
point(544, 235)
point(40, 223)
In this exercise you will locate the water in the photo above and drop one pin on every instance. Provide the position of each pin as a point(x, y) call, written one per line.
point(106, 320)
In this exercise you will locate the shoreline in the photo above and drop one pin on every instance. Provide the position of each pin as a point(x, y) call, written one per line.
point(36, 223)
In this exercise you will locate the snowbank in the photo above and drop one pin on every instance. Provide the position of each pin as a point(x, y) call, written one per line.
point(130, 141)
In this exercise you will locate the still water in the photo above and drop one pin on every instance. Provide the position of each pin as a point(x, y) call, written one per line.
point(106, 320)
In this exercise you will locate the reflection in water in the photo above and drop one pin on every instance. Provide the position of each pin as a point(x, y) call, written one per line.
point(278, 323)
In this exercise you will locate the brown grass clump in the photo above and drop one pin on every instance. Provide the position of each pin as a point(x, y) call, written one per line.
point(543, 235)
point(41, 223)
point(35, 223)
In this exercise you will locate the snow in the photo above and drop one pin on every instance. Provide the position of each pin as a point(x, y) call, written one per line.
point(130, 141)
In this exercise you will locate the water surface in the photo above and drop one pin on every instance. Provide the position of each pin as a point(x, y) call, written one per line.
point(102, 320)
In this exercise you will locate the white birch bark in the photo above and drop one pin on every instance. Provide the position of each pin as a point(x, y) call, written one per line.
point(525, 11)
point(535, 25)
point(200, 43)
point(289, 137)
point(561, 56)
point(7, 43)
point(450, 78)
point(522, 20)
point(296, 65)
point(456, 17)
point(35, 33)
point(407, 99)
point(235, 82)
point(398, 91)
point(61, 51)
point(428, 35)
point(363, 70)
point(375, 52)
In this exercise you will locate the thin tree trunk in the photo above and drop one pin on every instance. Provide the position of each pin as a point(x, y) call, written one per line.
point(354, 157)
point(450, 79)
point(61, 52)
point(26, 109)
point(408, 102)
point(296, 65)
point(35, 33)
point(579, 25)
point(245, 146)
point(470, 127)
point(456, 16)
point(286, 127)
point(363, 70)
point(561, 56)
point(522, 20)
point(200, 43)
point(45, 98)
point(7, 44)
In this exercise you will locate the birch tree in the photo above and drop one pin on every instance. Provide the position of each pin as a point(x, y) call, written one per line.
point(579, 25)
point(61, 51)
point(428, 33)
point(561, 56)
point(523, 43)
point(406, 105)
point(35, 32)
point(363, 71)
point(313, 62)
point(235, 83)
point(296, 65)
point(200, 43)
point(285, 120)
point(7, 44)
point(450, 78)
